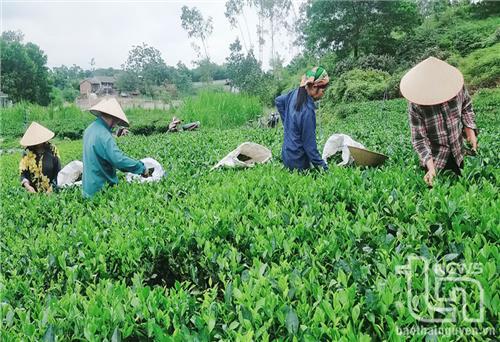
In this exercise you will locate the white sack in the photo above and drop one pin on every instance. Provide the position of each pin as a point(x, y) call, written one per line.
point(246, 155)
point(340, 142)
point(150, 163)
point(69, 174)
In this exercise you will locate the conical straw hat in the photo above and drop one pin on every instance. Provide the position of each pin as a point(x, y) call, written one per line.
point(36, 134)
point(366, 158)
point(431, 82)
point(111, 107)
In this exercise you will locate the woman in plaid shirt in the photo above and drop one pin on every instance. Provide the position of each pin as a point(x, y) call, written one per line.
point(440, 114)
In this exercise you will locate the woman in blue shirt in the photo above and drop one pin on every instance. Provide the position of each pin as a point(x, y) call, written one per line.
point(299, 151)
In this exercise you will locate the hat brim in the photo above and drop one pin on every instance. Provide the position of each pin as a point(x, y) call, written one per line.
point(431, 82)
point(36, 134)
point(99, 113)
point(364, 157)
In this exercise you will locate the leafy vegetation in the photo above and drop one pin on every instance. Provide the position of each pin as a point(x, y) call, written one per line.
point(482, 67)
point(24, 73)
point(220, 109)
point(255, 254)
point(215, 109)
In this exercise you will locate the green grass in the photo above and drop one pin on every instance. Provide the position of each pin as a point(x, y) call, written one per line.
point(256, 254)
point(220, 109)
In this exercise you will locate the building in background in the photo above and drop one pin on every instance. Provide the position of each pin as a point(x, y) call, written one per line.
point(100, 85)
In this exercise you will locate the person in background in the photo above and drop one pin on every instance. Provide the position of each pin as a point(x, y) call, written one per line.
point(297, 111)
point(176, 125)
point(101, 155)
point(440, 114)
point(40, 163)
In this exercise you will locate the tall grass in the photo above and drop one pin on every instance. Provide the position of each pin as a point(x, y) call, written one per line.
point(220, 109)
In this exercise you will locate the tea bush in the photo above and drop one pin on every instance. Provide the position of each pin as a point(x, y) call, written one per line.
point(256, 254)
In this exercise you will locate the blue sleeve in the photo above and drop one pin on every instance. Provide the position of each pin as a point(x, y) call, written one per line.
point(309, 139)
point(119, 160)
point(280, 102)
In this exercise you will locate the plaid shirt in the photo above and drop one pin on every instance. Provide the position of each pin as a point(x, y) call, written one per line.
point(436, 131)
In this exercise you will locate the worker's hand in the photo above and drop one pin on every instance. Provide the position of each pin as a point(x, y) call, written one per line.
point(429, 176)
point(471, 138)
point(148, 172)
point(29, 188)
point(431, 172)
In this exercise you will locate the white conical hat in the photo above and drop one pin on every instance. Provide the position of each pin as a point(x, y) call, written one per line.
point(431, 82)
point(36, 134)
point(111, 107)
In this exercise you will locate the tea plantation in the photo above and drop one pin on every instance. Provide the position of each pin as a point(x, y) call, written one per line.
point(258, 254)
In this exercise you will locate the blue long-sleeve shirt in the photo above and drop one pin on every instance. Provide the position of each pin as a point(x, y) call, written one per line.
point(299, 149)
point(101, 158)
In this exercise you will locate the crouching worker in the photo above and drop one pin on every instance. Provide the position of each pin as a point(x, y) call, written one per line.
point(440, 114)
point(299, 151)
point(101, 155)
point(40, 163)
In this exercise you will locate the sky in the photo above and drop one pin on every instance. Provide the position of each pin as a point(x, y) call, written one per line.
point(73, 32)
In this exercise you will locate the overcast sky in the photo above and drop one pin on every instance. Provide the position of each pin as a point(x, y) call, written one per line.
point(74, 32)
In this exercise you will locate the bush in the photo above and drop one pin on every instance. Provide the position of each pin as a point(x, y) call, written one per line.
point(374, 62)
point(359, 85)
point(481, 68)
point(67, 121)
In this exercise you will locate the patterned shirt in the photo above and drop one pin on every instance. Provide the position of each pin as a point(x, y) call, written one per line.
point(436, 131)
point(40, 168)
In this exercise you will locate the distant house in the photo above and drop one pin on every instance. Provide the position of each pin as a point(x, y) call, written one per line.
point(99, 85)
point(4, 100)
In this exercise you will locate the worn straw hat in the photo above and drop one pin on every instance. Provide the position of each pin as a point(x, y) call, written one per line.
point(36, 134)
point(364, 157)
point(431, 82)
point(111, 107)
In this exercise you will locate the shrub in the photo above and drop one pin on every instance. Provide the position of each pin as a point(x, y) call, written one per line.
point(481, 68)
point(359, 85)
point(368, 62)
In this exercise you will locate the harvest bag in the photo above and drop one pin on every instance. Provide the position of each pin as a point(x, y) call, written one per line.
point(149, 163)
point(71, 174)
point(246, 155)
point(340, 142)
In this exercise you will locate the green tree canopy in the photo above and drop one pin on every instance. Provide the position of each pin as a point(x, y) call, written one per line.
point(24, 76)
point(355, 27)
point(196, 26)
point(145, 67)
point(244, 72)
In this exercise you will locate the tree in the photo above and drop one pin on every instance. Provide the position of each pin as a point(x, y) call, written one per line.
point(13, 36)
point(68, 77)
point(24, 74)
point(358, 26)
point(146, 66)
point(127, 81)
point(183, 79)
point(193, 22)
point(244, 72)
point(275, 11)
